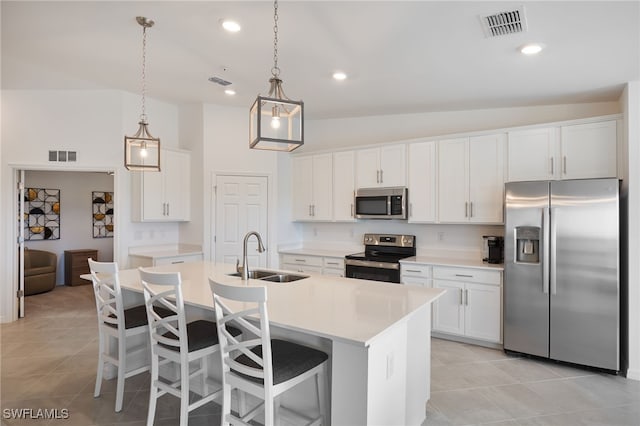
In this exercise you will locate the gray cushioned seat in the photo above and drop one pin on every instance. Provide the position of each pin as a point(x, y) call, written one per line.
point(200, 333)
point(288, 360)
point(137, 316)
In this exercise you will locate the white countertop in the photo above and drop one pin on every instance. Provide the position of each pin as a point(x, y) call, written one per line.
point(346, 309)
point(319, 253)
point(164, 251)
point(463, 263)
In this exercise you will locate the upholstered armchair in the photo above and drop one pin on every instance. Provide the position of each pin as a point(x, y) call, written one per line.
point(39, 271)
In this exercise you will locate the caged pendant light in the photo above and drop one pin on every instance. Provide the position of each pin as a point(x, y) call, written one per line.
point(142, 150)
point(276, 122)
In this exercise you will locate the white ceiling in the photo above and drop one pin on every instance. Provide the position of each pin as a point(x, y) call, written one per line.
point(401, 57)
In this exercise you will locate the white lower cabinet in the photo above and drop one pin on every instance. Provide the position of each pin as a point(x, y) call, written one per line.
point(472, 304)
point(309, 264)
point(416, 274)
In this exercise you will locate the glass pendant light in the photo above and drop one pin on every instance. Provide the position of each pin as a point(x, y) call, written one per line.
point(142, 150)
point(276, 122)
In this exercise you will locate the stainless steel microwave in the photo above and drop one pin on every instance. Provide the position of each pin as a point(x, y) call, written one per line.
point(381, 203)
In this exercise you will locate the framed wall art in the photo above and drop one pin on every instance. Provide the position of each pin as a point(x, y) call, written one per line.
point(102, 211)
point(41, 214)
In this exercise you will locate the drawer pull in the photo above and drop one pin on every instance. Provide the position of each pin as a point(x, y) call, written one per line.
point(332, 263)
point(464, 276)
point(301, 260)
point(177, 261)
point(413, 270)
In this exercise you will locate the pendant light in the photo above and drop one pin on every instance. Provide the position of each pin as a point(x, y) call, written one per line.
point(142, 151)
point(276, 122)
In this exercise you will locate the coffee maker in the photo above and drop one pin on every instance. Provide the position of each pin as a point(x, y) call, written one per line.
point(492, 249)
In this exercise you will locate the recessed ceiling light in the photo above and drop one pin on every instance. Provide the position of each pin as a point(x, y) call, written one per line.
point(231, 26)
point(230, 92)
point(339, 75)
point(531, 48)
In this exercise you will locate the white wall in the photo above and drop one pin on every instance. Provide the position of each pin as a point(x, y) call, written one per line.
point(92, 123)
point(226, 150)
point(76, 213)
point(631, 106)
point(192, 138)
point(348, 132)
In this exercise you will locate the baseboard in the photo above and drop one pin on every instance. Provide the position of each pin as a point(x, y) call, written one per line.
point(633, 374)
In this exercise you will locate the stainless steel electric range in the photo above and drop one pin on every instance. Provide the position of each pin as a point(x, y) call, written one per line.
point(380, 260)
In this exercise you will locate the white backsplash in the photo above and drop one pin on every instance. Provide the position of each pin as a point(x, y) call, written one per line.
point(451, 241)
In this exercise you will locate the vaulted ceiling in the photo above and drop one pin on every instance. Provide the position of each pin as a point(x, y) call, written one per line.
point(400, 57)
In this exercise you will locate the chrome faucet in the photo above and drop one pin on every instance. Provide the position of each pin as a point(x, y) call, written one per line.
point(244, 269)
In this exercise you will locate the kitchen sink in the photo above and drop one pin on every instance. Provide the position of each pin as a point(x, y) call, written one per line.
point(272, 276)
point(284, 278)
point(256, 274)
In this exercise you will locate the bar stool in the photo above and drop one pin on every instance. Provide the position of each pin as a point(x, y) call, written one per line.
point(116, 322)
point(258, 365)
point(175, 340)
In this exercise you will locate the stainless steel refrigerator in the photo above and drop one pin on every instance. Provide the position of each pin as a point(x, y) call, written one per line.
point(561, 278)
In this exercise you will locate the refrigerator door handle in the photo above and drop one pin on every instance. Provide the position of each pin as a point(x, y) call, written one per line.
point(545, 250)
point(552, 249)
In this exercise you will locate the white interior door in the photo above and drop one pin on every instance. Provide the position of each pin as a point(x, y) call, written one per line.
point(21, 244)
point(241, 207)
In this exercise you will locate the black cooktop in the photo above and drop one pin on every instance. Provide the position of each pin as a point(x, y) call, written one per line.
point(386, 248)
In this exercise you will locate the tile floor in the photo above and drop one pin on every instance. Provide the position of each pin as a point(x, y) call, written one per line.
point(48, 361)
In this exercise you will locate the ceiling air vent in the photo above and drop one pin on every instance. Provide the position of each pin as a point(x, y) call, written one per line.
point(503, 23)
point(220, 81)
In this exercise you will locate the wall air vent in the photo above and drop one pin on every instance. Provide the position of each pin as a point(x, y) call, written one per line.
point(503, 23)
point(220, 81)
point(62, 156)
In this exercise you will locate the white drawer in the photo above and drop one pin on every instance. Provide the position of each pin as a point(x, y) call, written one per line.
point(305, 269)
point(302, 260)
point(415, 270)
point(467, 275)
point(178, 259)
point(334, 262)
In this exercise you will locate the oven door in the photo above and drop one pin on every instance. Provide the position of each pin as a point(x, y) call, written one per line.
point(375, 271)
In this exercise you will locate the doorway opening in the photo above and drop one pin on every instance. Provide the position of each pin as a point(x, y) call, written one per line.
point(64, 213)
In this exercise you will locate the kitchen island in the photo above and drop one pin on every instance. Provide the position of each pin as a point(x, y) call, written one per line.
point(377, 335)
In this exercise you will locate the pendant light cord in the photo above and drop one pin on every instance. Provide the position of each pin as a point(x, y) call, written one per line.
point(143, 116)
point(275, 71)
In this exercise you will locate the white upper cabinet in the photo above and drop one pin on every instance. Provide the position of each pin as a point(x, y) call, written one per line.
point(589, 150)
point(343, 186)
point(569, 152)
point(471, 179)
point(532, 154)
point(312, 188)
point(422, 182)
point(163, 196)
point(381, 167)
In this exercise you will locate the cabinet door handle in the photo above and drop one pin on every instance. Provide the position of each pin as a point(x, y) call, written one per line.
point(377, 176)
point(564, 164)
point(464, 276)
point(164, 209)
point(551, 165)
point(309, 209)
point(313, 209)
point(352, 210)
point(381, 176)
point(466, 209)
point(466, 297)
point(168, 205)
point(471, 209)
point(461, 297)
